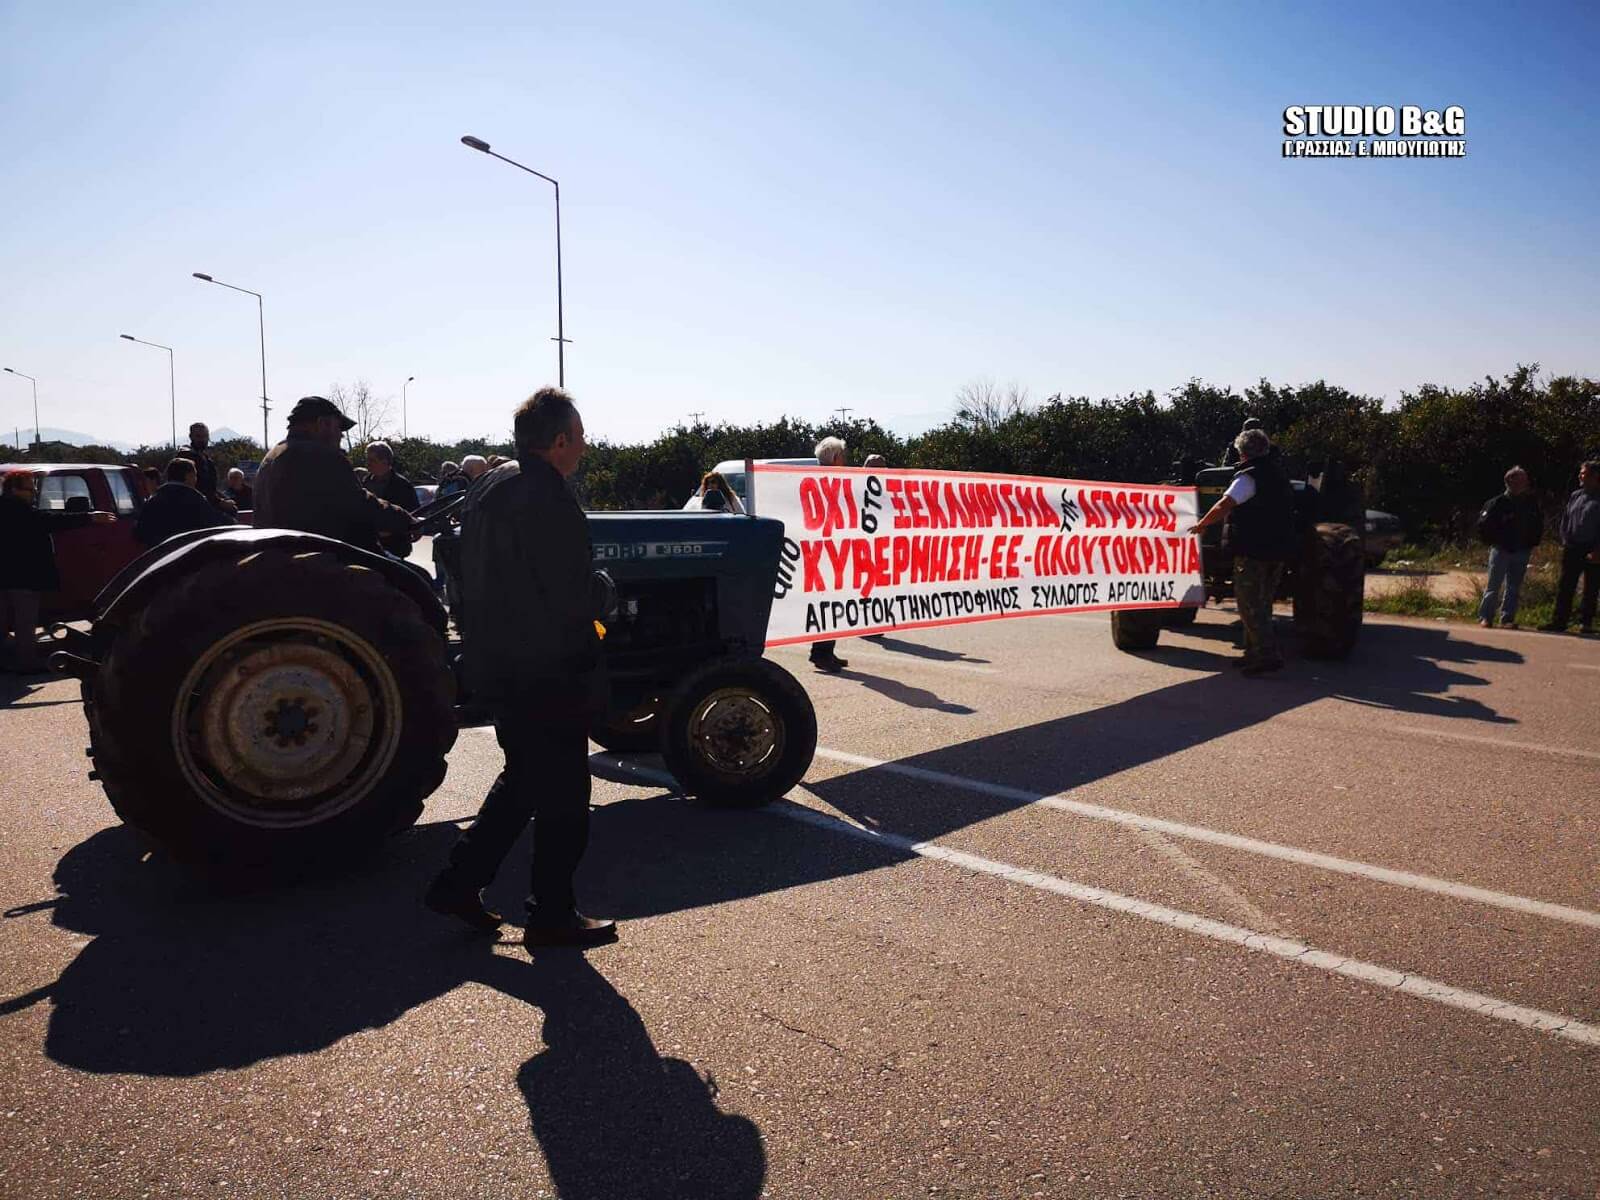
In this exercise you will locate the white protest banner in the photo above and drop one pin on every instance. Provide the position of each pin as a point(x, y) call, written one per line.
point(869, 551)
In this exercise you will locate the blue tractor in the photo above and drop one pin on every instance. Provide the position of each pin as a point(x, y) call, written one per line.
point(268, 697)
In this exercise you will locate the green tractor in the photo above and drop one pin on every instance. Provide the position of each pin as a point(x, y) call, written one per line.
point(1326, 582)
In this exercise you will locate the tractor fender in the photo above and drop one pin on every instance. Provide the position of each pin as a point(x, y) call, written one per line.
point(160, 567)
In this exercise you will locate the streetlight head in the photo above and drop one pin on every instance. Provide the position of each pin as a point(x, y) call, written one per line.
point(9, 371)
point(475, 143)
point(201, 275)
point(411, 378)
point(128, 337)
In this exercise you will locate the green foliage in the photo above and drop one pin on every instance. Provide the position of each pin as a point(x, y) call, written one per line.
point(1433, 459)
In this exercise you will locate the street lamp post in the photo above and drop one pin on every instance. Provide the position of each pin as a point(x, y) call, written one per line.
point(172, 380)
point(561, 336)
point(266, 441)
point(404, 429)
point(35, 383)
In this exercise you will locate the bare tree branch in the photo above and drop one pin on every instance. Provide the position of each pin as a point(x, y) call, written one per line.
point(372, 414)
point(985, 405)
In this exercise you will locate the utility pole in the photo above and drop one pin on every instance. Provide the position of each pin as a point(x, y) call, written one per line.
point(697, 416)
point(842, 413)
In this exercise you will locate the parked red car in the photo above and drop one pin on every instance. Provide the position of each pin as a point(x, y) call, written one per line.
point(90, 556)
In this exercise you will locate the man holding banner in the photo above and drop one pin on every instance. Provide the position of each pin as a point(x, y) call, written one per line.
point(1258, 509)
point(830, 452)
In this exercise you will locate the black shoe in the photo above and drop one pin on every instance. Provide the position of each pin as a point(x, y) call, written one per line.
point(1262, 668)
point(570, 928)
point(1552, 627)
point(450, 899)
point(832, 663)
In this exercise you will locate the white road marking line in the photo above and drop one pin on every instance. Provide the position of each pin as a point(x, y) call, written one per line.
point(1265, 943)
point(1585, 666)
point(1199, 833)
point(1510, 744)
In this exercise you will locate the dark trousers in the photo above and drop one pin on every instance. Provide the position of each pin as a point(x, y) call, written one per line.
point(1575, 564)
point(822, 650)
point(19, 615)
point(546, 781)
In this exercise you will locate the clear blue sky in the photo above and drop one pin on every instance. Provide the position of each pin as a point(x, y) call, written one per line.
point(775, 208)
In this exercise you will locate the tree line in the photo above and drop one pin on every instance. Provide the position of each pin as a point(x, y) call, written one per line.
point(1433, 458)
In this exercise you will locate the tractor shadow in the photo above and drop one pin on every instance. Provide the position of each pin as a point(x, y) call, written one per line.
point(183, 978)
point(1398, 668)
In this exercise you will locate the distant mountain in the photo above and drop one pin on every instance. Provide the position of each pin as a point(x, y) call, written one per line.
point(70, 436)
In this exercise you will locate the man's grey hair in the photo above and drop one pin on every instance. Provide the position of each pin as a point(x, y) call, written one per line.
point(382, 450)
point(1252, 443)
point(235, 473)
point(1515, 471)
point(831, 451)
point(474, 465)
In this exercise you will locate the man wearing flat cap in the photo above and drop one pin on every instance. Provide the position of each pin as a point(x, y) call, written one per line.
point(306, 482)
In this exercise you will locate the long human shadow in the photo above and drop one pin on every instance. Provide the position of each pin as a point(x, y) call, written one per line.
point(919, 650)
point(183, 978)
point(905, 693)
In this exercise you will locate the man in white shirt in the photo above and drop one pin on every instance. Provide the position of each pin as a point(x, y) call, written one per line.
point(1258, 512)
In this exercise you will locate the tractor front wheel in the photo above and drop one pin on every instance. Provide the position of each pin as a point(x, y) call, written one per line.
point(739, 732)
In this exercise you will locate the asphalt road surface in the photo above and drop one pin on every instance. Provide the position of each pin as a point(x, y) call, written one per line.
point(1045, 920)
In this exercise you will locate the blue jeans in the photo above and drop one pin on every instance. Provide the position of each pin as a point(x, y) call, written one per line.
point(1506, 567)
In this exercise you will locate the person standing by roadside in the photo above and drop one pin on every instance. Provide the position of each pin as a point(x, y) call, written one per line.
point(205, 470)
point(1512, 526)
point(1258, 509)
point(28, 563)
point(830, 452)
point(240, 491)
point(177, 507)
point(1580, 552)
point(533, 656)
point(384, 482)
point(451, 481)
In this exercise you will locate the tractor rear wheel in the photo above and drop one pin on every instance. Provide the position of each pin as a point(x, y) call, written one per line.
point(1136, 628)
point(1330, 591)
point(274, 709)
point(739, 732)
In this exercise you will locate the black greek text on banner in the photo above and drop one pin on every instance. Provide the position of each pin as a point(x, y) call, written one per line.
point(868, 551)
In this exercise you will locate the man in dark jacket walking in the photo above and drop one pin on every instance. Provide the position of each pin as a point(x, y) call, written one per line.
point(177, 507)
point(1512, 525)
point(1258, 508)
point(533, 656)
point(384, 482)
point(306, 482)
point(1580, 552)
point(28, 562)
